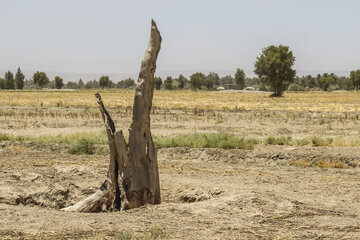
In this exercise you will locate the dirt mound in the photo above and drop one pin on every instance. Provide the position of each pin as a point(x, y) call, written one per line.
point(55, 187)
point(263, 154)
point(194, 194)
point(53, 198)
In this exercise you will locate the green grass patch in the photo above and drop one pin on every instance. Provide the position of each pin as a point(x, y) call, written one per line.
point(214, 140)
point(219, 121)
point(5, 137)
point(80, 142)
point(83, 146)
point(318, 141)
point(74, 138)
point(278, 140)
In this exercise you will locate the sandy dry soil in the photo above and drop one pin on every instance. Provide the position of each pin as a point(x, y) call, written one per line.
point(206, 193)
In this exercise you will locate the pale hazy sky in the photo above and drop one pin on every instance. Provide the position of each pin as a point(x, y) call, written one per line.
point(108, 36)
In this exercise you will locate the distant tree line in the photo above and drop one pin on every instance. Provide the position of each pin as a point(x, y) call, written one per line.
point(201, 81)
point(11, 82)
point(273, 68)
point(40, 80)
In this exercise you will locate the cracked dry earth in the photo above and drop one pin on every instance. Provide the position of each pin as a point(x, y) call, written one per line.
point(206, 194)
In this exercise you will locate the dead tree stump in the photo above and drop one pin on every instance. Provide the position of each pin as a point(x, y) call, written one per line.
point(133, 178)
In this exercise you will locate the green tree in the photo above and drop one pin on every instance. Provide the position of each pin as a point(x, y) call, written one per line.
point(104, 81)
point(81, 83)
point(227, 80)
point(355, 79)
point(9, 80)
point(71, 85)
point(197, 80)
point(209, 82)
point(127, 83)
point(308, 81)
point(326, 80)
point(130, 83)
point(158, 83)
point(215, 78)
point(240, 78)
point(2, 83)
point(274, 68)
point(40, 79)
point(168, 83)
point(92, 84)
point(182, 81)
point(19, 79)
point(58, 82)
point(348, 85)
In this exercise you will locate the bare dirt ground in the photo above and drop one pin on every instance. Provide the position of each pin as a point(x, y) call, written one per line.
point(206, 193)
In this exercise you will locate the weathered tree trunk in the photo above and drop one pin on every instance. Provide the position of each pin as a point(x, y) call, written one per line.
point(133, 178)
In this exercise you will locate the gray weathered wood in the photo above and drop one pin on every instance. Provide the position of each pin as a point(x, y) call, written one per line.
point(133, 178)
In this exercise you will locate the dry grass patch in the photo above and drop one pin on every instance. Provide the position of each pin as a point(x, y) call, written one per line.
point(320, 163)
point(314, 141)
point(17, 149)
point(202, 100)
point(157, 232)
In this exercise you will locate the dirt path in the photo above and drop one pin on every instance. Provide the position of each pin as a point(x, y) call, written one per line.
point(207, 194)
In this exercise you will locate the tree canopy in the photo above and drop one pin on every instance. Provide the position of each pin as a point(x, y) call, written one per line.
point(80, 83)
point(274, 68)
point(326, 80)
point(9, 80)
point(168, 83)
point(19, 79)
point(355, 79)
point(127, 83)
point(2, 83)
point(158, 82)
point(182, 81)
point(240, 78)
point(215, 78)
point(104, 81)
point(40, 79)
point(197, 80)
point(58, 82)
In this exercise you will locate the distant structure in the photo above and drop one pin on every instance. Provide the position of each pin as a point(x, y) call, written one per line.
point(249, 89)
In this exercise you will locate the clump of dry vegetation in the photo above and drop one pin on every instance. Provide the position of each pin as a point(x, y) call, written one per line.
point(321, 164)
point(156, 232)
point(315, 141)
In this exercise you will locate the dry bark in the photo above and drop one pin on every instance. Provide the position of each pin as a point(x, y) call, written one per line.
point(133, 178)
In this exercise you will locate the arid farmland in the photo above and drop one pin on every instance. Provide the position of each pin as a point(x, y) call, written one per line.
point(233, 165)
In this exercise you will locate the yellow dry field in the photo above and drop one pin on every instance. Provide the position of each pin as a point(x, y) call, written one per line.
point(274, 191)
point(225, 100)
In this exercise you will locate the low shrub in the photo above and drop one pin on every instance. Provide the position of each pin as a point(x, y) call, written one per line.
point(214, 140)
point(279, 140)
point(84, 146)
point(4, 137)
